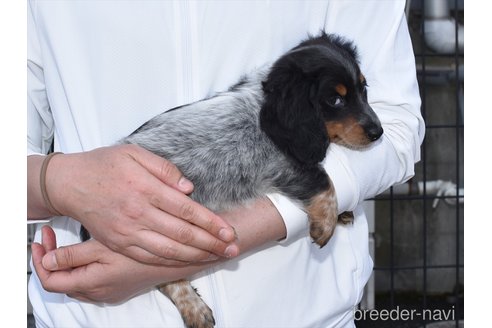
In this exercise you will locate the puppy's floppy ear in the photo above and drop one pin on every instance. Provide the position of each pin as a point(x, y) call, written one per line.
point(288, 115)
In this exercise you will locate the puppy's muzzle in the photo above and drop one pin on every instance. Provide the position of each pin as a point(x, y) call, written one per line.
point(371, 124)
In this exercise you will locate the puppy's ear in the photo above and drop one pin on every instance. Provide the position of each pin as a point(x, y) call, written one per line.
point(289, 117)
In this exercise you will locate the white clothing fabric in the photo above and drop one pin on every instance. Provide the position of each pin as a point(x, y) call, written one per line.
point(97, 70)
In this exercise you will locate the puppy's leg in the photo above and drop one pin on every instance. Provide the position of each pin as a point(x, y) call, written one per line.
point(193, 310)
point(322, 211)
point(313, 187)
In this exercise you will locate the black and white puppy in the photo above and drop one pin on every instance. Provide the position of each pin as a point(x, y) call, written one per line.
point(267, 134)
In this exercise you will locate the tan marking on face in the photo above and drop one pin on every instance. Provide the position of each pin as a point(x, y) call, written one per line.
point(341, 90)
point(362, 78)
point(347, 133)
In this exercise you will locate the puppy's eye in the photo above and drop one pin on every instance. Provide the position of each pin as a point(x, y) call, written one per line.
point(336, 101)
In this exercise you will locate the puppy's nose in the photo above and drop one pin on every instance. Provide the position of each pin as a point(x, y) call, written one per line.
point(374, 133)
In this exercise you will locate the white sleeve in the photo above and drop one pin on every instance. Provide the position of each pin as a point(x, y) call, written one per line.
point(388, 63)
point(39, 118)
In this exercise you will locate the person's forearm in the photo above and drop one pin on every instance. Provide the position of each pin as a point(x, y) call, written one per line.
point(256, 224)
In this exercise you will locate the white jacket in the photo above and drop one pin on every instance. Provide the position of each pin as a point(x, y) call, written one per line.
point(97, 70)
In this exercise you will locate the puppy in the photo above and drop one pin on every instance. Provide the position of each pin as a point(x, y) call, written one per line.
point(267, 134)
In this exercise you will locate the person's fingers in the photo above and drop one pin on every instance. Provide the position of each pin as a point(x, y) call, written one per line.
point(91, 251)
point(48, 238)
point(59, 281)
point(163, 169)
point(158, 249)
point(185, 234)
point(183, 207)
point(73, 256)
point(37, 251)
point(146, 257)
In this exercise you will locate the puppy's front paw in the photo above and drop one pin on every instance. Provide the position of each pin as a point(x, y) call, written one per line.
point(346, 218)
point(323, 216)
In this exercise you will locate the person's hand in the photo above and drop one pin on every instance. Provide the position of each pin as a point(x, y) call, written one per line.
point(136, 203)
point(91, 272)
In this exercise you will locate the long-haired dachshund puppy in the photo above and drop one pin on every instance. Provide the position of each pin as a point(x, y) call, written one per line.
point(267, 134)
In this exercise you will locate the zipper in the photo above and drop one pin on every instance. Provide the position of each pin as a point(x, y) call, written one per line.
point(188, 82)
point(215, 298)
point(186, 48)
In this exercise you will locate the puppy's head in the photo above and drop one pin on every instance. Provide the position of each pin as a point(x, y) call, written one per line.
point(316, 94)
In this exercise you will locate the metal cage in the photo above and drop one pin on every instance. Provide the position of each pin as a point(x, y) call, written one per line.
point(416, 229)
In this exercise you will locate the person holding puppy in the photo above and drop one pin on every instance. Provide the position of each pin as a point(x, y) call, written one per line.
point(98, 70)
